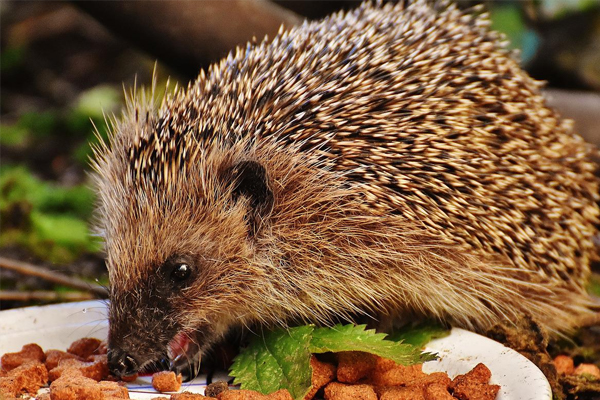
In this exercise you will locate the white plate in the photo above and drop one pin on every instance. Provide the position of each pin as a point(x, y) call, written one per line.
point(56, 326)
point(459, 352)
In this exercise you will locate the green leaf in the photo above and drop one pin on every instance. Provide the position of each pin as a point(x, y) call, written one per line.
point(419, 335)
point(357, 338)
point(280, 359)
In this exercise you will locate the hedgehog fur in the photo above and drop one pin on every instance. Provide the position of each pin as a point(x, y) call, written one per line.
point(392, 161)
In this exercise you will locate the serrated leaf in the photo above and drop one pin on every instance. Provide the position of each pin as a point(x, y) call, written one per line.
point(419, 335)
point(357, 338)
point(279, 360)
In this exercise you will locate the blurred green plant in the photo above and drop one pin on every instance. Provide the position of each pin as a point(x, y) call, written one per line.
point(74, 124)
point(45, 218)
point(556, 9)
point(594, 285)
point(12, 58)
point(90, 106)
point(29, 126)
point(50, 220)
point(508, 18)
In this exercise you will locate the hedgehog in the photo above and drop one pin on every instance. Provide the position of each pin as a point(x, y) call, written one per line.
point(392, 161)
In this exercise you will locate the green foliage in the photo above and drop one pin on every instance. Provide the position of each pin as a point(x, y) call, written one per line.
point(11, 58)
point(419, 335)
point(29, 126)
point(13, 135)
point(89, 111)
point(46, 218)
point(74, 125)
point(281, 359)
point(594, 285)
point(508, 19)
point(357, 338)
point(554, 9)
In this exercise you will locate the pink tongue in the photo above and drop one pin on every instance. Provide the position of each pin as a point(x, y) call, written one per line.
point(179, 345)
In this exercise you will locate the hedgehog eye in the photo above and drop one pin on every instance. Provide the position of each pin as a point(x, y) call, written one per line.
point(181, 272)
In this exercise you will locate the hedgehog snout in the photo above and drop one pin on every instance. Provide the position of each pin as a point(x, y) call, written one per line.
point(141, 324)
point(121, 363)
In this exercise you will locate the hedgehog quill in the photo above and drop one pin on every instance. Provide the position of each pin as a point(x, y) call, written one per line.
point(392, 161)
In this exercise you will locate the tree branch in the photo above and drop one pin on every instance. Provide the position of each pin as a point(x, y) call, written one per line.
point(188, 35)
point(52, 276)
point(44, 295)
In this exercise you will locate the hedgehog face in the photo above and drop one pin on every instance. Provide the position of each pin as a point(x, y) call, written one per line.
point(150, 324)
point(176, 278)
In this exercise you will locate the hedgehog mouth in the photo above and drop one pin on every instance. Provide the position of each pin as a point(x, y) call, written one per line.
point(184, 354)
point(179, 345)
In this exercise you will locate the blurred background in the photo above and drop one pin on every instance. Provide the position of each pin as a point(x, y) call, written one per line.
point(63, 64)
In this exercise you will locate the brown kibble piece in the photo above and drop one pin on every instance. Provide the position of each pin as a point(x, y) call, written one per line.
point(53, 357)
point(113, 390)
point(85, 347)
point(387, 374)
point(322, 374)
point(399, 393)
point(74, 386)
point(354, 365)
point(129, 378)
point(281, 394)
point(476, 391)
point(438, 378)
point(166, 381)
point(474, 385)
point(384, 364)
point(215, 388)
point(437, 391)
point(26, 378)
point(587, 369)
point(97, 370)
point(564, 364)
point(479, 374)
point(187, 396)
point(29, 352)
point(341, 391)
point(103, 348)
point(7, 388)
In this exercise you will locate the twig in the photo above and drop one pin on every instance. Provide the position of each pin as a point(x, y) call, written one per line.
point(52, 276)
point(190, 34)
point(44, 295)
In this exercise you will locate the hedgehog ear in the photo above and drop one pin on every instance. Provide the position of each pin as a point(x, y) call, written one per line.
point(250, 180)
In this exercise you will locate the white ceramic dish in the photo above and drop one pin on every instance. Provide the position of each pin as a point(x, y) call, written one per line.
point(55, 327)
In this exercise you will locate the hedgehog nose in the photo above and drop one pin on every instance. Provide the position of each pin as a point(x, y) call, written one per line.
point(121, 364)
